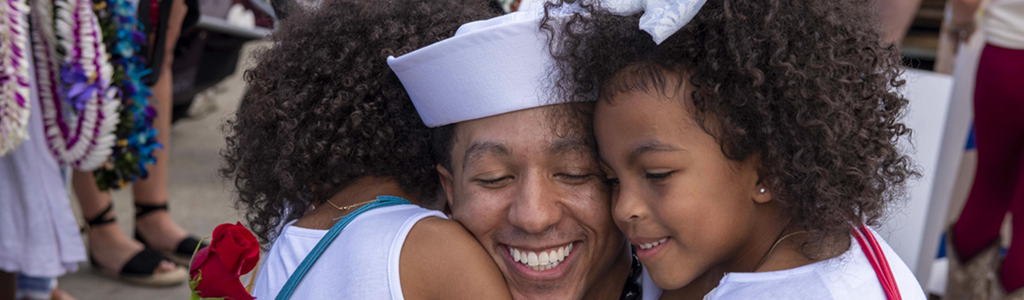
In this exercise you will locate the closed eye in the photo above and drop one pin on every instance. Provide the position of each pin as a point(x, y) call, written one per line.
point(658, 176)
point(492, 182)
point(574, 176)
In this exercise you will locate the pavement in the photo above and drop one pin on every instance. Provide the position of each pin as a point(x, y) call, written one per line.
point(200, 199)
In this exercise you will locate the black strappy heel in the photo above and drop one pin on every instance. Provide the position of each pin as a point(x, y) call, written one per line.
point(182, 254)
point(141, 268)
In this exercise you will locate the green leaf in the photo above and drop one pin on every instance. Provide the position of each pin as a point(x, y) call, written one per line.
point(194, 255)
point(194, 282)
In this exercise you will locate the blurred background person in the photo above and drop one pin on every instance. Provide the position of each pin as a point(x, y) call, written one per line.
point(160, 243)
point(998, 186)
point(39, 238)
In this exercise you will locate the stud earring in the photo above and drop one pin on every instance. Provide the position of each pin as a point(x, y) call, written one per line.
point(762, 190)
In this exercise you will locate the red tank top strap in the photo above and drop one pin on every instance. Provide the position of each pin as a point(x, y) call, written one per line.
point(873, 250)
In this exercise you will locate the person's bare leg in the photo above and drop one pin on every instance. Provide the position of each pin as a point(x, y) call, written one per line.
point(108, 245)
point(896, 16)
point(157, 228)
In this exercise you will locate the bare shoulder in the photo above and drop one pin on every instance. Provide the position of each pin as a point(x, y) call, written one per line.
point(441, 260)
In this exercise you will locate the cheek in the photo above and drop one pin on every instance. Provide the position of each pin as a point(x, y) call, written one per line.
point(705, 213)
point(480, 211)
point(591, 205)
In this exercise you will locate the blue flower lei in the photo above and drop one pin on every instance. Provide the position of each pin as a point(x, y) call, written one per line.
point(136, 137)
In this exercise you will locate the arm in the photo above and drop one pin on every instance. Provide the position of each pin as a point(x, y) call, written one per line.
point(964, 12)
point(441, 260)
point(896, 16)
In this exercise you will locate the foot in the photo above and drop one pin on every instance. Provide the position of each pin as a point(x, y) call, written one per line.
point(160, 231)
point(112, 249)
point(59, 294)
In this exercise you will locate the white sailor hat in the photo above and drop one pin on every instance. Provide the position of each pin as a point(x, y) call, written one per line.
point(489, 67)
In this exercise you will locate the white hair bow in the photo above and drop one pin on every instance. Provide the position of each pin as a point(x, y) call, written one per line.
point(661, 18)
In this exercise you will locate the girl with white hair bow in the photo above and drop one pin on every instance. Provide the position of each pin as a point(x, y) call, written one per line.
point(748, 144)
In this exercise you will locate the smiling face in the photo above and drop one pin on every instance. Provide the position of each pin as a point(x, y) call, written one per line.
point(536, 201)
point(676, 196)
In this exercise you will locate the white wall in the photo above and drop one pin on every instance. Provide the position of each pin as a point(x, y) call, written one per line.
point(940, 128)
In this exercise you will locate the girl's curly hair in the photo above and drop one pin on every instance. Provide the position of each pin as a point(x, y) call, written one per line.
point(810, 86)
point(323, 108)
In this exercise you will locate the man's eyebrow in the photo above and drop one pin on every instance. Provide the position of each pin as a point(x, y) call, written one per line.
point(563, 146)
point(649, 147)
point(477, 150)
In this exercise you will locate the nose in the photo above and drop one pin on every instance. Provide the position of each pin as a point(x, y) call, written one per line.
point(536, 208)
point(628, 204)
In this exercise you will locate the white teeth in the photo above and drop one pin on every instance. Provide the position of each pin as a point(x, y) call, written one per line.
point(652, 245)
point(543, 260)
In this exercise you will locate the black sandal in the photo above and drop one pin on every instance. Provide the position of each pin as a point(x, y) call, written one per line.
point(182, 254)
point(140, 268)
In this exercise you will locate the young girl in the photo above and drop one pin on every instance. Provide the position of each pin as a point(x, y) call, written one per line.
point(749, 143)
point(326, 131)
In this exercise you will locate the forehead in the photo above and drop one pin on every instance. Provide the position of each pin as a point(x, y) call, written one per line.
point(507, 125)
point(530, 130)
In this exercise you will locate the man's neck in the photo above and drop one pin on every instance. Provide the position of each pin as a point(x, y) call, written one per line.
point(610, 287)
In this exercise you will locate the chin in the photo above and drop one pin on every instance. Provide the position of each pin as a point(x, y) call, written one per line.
point(562, 289)
point(666, 279)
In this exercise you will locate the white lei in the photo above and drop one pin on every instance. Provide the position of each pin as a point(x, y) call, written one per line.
point(15, 97)
point(83, 138)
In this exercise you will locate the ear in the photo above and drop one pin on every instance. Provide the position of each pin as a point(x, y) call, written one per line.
point(762, 194)
point(446, 183)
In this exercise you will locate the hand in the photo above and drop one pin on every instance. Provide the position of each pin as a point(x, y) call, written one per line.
point(962, 30)
point(962, 18)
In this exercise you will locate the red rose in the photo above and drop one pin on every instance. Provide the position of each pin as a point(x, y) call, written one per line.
point(233, 251)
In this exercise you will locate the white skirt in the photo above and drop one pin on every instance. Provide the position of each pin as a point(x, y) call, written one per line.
point(38, 232)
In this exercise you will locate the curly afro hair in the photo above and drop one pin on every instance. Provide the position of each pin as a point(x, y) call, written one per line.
point(323, 108)
point(809, 86)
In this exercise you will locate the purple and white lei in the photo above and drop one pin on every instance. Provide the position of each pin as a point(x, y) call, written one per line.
point(15, 101)
point(80, 109)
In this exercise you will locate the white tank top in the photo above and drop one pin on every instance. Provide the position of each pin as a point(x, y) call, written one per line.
point(362, 263)
point(848, 276)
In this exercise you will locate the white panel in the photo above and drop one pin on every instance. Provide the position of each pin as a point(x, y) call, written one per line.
point(940, 128)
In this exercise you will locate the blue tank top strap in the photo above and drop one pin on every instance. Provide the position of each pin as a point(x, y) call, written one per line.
point(307, 263)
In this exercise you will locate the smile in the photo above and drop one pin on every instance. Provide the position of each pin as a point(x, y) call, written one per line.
point(543, 260)
point(648, 246)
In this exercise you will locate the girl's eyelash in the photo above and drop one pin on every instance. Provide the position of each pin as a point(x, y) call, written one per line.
point(657, 176)
point(611, 181)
